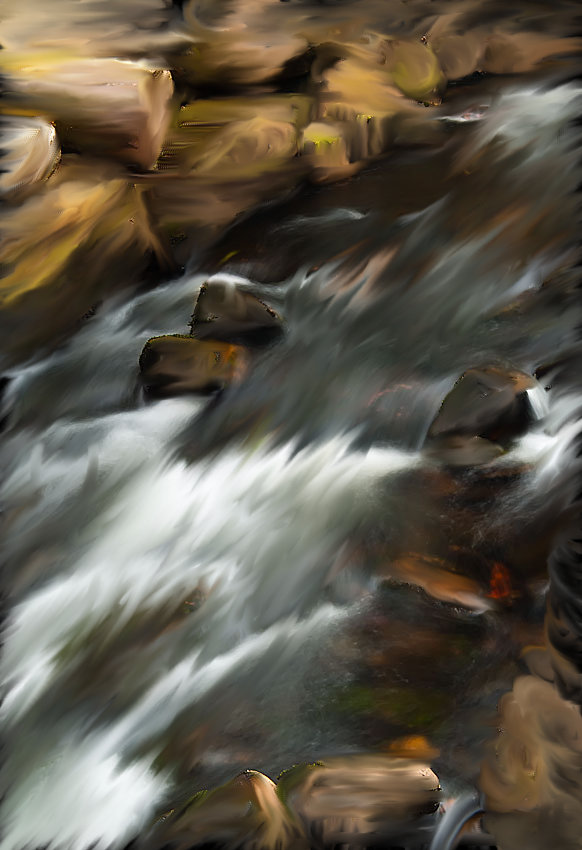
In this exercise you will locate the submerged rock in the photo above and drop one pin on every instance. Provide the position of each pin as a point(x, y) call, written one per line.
point(463, 450)
point(225, 312)
point(172, 365)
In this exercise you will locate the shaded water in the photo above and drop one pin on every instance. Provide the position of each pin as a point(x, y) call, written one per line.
point(293, 569)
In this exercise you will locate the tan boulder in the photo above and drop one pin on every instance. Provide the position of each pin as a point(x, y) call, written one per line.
point(114, 108)
point(358, 796)
point(83, 234)
point(244, 812)
point(242, 44)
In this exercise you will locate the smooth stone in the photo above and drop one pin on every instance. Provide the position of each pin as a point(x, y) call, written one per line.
point(358, 795)
point(489, 402)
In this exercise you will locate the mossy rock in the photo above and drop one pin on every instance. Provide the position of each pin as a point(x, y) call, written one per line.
point(415, 70)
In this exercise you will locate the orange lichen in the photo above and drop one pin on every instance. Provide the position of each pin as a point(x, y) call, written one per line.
point(500, 583)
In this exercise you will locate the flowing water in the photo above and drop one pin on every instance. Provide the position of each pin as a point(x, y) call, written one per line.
point(198, 586)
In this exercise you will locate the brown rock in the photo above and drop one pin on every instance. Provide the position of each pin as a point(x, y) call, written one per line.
point(82, 234)
point(358, 795)
point(244, 812)
point(104, 106)
point(172, 365)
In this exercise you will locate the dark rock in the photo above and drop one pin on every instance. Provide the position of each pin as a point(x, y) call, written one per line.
point(225, 312)
point(490, 403)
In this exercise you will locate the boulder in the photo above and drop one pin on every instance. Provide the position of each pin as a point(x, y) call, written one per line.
point(235, 137)
point(83, 233)
point(414, 68)
point(173, 365)
point(359, 795)
point(237, 44)
point(225, 312)
point(487, 402)
point(109, 107)
point(245, 812)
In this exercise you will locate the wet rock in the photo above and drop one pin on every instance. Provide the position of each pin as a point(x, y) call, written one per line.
point(435, 577)
point(415, 70)
point(233, 138)
point(30, 153)
point(518, 53)
point(172, 365)
point(363, 795)
point(364, 111)
point(109, 107)
point(490, 403)
point(244, 812)
point(237, 44)
point(324, 142)
point(458, 53)
point(82, 234)
point(225, 312)
point(344, 799)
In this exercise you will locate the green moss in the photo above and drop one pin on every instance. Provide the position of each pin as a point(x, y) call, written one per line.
point(415, 708)
point(293, 777)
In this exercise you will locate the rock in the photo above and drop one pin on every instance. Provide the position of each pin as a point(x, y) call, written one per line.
point(354, 87)
point(518, 53)
point(486, 409)
point(324, 144)
point(83, 233)
point(489, 402)
point(109, 107)
point(245, 149)
point(363, 112)
point(531, 777)
point(440, 582)
point(126, 29)
point(225, 312)
point(244, 812)
point(457, 49)
point(30, 153)
point(172, 365)
point(192, 211)
point(415, 70)
point(234, 137)
point(359, 795)
point(237, 44)
point(219, 158)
